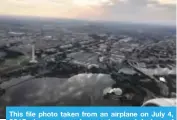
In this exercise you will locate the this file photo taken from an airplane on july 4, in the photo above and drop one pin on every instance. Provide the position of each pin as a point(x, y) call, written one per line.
point(87, 53)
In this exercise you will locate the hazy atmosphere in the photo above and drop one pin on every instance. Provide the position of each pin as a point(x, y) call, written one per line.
point(151, 11)
point(87, 53)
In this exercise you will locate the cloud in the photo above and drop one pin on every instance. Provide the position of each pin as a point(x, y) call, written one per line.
point(141, 11)
point(167, 1)
point(77, 90)
point(112, 10)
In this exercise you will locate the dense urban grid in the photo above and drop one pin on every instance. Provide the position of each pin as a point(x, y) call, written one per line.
point(70, 62)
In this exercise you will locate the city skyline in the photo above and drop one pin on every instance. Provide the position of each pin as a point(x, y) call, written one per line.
point(149, 11)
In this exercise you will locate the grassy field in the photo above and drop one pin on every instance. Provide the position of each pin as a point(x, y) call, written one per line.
point(14, 63)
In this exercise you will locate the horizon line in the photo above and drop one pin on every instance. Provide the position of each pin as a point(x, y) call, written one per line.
point(98, 21)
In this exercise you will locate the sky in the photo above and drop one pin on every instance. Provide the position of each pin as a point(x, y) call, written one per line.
point(151, 11)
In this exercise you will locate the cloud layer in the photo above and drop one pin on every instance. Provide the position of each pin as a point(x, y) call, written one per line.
point(142, 11)
point(112, 10)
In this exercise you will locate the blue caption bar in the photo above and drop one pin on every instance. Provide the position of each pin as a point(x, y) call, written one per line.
point(91, 113)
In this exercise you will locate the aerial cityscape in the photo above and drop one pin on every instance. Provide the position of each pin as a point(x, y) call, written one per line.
point(74, 62)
